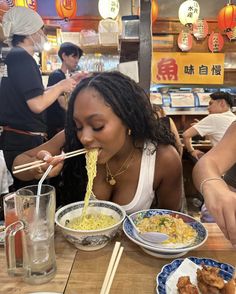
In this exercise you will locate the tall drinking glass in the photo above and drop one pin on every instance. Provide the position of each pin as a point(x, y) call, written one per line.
point(34, 218)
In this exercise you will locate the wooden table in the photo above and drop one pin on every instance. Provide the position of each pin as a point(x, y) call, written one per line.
point(81, 272)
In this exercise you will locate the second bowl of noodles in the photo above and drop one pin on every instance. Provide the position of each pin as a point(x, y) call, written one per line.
point(93, 230)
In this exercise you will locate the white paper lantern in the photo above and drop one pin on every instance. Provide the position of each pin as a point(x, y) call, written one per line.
point(189, 12)
point(108, 8)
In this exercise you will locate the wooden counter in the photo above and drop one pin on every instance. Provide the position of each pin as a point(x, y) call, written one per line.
point(81, 272)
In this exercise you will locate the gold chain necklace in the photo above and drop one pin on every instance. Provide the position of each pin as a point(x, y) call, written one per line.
point(110, 178)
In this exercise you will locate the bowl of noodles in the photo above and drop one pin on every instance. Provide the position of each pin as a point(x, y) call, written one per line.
point(185, 233)
point(94, 229)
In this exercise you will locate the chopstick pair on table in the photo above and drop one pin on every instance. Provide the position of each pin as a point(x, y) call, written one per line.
point(112, 267)
point(38, 163)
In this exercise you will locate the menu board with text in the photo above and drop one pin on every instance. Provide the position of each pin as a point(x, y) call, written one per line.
point(156, 98)
point(204, 99)
point(182, 100)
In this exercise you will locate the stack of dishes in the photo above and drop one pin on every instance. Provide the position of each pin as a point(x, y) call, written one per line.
point(165, 250)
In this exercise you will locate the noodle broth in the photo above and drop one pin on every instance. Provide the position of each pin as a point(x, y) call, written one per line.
point(90, 239)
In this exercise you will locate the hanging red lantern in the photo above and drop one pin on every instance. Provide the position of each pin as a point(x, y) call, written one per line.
point(66, 8)
point(154, 11)
point(227, 17)
point(27, 3)
point(215, 42)
point(200, 29)
point(185, 41)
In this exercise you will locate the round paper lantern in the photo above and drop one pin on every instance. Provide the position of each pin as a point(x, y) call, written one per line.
point(66, 8)
point(154, 11)
point(27, 3)
point(200, 29)
point(215, 42)
point(108, 8)
point(227, 17)
point(189, 12)
point(185, 41)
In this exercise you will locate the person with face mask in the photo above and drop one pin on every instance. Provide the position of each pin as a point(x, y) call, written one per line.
point(23, 99)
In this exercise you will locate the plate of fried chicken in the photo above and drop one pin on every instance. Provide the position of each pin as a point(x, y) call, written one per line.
point(195, 275)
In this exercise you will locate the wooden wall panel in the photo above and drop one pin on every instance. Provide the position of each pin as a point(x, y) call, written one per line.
point(76, 24)
point(174, 27)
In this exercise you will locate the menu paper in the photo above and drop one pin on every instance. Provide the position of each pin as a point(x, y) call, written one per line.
point(204, 98)
point(187, 268)
point(182, 99)
point(156, 98)
point(130, 69)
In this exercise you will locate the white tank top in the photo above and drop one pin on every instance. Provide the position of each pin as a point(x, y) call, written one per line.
point(144, 194)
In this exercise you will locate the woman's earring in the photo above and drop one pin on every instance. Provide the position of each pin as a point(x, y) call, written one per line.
point(129, 132)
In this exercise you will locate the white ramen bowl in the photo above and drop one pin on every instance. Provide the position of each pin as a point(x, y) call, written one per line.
point(89, 240)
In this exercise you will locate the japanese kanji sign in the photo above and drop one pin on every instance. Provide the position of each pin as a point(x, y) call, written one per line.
point(187, 68)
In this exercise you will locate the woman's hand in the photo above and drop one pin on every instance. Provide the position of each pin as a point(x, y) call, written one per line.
point(56, 161)
point(197, 153)
point(223, 211)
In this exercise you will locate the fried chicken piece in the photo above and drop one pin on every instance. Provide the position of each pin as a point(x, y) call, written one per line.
point(185, 286)
point(229, 288)
point(210, 276)
point(207, 289)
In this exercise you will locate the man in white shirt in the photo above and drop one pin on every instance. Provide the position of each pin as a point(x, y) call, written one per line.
point(214, 125)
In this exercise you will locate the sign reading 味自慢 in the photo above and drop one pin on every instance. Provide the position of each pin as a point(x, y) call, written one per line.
point(187, 68)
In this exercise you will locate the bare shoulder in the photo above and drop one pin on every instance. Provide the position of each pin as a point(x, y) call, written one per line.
point(168, 166)
point(167, 153)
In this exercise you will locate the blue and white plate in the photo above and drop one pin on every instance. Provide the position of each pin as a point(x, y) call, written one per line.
point(163, 250)
point(226, 271)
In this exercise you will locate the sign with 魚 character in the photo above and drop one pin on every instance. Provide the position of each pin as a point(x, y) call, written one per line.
point(187, 68)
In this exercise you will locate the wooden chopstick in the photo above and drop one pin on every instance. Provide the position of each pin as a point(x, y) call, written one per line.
point(38, 163)
point(112, 267)
point(28, 164)
point(42, 161)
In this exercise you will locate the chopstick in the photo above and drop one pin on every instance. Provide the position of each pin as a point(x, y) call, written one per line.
point(38, 163)
point(112, 267)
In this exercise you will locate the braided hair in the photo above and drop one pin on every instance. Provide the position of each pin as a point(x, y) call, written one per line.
point(131, 104)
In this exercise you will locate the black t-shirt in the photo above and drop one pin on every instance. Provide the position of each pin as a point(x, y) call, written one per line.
point(55, 113)
point(21, 81)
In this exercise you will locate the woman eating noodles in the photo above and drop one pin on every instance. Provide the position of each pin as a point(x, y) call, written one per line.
point(137, 159)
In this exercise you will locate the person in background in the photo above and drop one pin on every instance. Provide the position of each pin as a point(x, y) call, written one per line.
point(23, 98)
point(69, 55)
point(220, 200)
point(214, 125)
point(137, 158)
point(168, 121)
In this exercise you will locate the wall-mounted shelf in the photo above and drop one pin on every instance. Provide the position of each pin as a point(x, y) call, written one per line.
point(100, 49)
